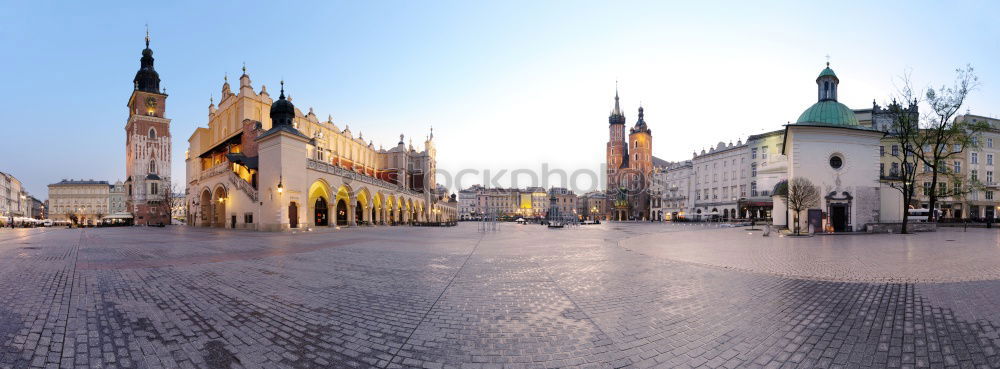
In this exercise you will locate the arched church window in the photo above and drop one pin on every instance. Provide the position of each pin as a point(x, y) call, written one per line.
point(152, 133)
point(152, 166)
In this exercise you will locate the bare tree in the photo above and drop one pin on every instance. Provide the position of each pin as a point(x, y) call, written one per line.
point(800, 194)
point(942, 136)
point(176, 200)
point(903, 130)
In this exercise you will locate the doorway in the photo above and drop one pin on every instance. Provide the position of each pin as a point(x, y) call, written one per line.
point(358, 212)
point(838, 217)
point(293, 215)
point(341, 212)
point(321, 216)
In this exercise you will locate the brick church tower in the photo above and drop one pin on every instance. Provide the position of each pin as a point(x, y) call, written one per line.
point(147, 147)
point(641, 164)
point(616, 201)
point(630, 167)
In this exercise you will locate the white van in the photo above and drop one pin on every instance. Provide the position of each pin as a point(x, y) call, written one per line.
point(918, 215)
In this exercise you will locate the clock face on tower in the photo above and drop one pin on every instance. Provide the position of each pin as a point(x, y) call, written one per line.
point(151, 102)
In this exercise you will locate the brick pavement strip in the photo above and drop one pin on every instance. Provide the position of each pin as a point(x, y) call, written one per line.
point(525, 297)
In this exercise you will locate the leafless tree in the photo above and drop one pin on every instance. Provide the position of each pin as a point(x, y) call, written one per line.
point(177, 200)
point(942, 136)
point(800, 195)
point(903, 131)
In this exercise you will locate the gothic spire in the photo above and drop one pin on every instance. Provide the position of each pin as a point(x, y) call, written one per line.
point(616, 114)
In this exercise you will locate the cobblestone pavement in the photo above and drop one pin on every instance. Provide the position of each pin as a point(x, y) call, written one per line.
point(949, 255)
point(526, 296)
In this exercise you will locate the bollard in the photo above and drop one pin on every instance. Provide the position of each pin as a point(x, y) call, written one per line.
point(767, 231)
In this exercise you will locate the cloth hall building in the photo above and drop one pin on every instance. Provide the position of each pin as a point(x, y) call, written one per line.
point(263, 164)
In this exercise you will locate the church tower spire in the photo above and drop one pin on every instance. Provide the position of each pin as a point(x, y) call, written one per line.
point(616, 116)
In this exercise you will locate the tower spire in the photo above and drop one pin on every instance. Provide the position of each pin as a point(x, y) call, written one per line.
point(616, 114)
point(146, 79)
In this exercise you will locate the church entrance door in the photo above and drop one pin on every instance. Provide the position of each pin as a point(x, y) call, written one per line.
point(838, 217)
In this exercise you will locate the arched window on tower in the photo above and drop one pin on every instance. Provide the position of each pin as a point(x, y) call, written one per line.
point(152, 133)
point(152, 166)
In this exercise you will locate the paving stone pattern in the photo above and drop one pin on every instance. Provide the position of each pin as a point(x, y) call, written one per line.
point(524, 297)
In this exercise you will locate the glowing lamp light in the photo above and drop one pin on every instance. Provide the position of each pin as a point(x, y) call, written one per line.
point(281, 188)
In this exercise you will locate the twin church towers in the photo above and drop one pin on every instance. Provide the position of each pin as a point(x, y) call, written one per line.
point(630, 167)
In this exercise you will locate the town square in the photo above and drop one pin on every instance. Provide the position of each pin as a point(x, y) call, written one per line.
point(518, 184)
point(521, 297)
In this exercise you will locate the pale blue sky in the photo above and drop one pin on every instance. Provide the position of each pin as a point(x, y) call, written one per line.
point(505, 84)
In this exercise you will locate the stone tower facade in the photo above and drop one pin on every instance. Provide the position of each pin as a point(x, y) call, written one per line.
point(147, 147)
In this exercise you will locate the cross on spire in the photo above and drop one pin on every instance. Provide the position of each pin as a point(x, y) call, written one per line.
point(827, 60)
point(147, 35)
point(244, 67)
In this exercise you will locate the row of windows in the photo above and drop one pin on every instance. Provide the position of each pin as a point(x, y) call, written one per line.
point(713, 194)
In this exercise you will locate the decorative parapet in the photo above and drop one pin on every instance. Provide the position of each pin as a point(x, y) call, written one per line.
point(355, 176)
point(218, 169)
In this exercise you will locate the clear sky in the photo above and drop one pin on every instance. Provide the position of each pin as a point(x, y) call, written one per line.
point(506, 84)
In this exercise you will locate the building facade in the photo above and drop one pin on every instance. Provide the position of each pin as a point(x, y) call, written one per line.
point(13, 198)
point(673, 184)
point(84, 202)
point(37, 208)
point(591, 206)
point(147, 146)
point(118, 199)
point(263, 164)
point(565, 202)
point(768, 167)
point(720, 180)
point(468, 201)
point(969, 187)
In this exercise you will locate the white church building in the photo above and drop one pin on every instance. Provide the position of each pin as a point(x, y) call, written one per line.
point(828, 146)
